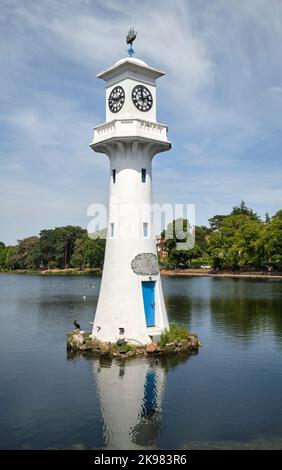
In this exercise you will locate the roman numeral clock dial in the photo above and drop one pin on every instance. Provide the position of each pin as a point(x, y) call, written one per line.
point(142, 98)
point(116, 99)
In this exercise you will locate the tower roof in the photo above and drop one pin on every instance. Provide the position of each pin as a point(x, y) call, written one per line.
point(132, 65)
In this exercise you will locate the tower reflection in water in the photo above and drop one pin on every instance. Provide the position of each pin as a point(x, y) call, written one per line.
point(130, 395)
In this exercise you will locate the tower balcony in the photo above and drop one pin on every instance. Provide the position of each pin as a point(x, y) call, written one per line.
point(128, 129)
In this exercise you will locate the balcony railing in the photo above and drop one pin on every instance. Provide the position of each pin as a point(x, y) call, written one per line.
point(130, 128)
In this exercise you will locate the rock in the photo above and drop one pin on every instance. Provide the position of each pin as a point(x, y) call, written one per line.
point(184, 344)
point(105, 347)
point(92, 344)
point(170, 347)
point(193, 342)
point(151, 348)
point(83, 341)
point(70, 341)
point(194, 335)
point(77, 340)
point(131, 353)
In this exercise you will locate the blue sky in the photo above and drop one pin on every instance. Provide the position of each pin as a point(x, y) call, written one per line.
point(221, 98)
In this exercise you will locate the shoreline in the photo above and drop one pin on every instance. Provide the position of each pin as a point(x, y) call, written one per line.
point(163, 272)
point(211, 273)
point(55, 272)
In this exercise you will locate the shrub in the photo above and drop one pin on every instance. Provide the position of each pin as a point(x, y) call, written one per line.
point(123, 348)
point(175, 333)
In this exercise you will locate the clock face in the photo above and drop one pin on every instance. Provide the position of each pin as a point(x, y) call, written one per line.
point(142, 98)
point(116, 99)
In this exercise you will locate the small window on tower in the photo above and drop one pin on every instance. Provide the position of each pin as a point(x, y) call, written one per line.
point(114, 175)
point(112, 232)
point(144, 174)
point(145, 230)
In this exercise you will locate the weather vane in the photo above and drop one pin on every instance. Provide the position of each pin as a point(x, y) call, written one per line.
point(131, 36)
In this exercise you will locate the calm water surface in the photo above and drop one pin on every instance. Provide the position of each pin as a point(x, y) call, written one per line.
point(228, 396)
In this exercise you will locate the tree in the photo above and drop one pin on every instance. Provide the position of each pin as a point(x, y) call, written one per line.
point(65, 238)
point(10, 263)
point(270, 241)
point(26, 254)
point(47, 247)
point(88, 252)
point(182, 258)
point(78, 259)
point(244, 210)
point(234, 241)
point(234, 245)
point(96, 253)
point(3, 255)
point(57, 245)
point(216, 222)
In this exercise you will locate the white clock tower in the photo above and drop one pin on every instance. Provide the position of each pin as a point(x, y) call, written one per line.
point(131, 303)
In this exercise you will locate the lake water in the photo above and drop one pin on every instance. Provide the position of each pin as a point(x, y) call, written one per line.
point(227, 396)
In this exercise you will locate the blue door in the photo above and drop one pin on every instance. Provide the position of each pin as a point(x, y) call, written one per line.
point(148, 291)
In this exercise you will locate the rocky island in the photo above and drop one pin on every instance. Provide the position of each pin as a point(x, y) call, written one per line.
point(177, 339)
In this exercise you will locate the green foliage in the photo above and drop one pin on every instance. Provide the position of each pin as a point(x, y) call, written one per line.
point(58, 245)
point(234, 244)
point(239, 240)
point(270, 241)
point(244, 210)
point(7, 260)
point(55, 248)
point(177, 258)
point(3, 255)
point(200, 262)
point(123, 348)
point(26, 254)
point(216, 222)
point(175, 333)
point(243, 240)
point(88, 253)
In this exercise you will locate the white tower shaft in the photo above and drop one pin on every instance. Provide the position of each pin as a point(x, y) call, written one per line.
point(131, 303)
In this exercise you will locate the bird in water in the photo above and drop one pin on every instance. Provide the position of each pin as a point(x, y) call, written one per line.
point(77, 325)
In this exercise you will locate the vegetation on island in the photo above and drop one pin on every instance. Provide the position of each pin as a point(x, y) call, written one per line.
point(240, 240)
point(176, 339)
point(175, 333)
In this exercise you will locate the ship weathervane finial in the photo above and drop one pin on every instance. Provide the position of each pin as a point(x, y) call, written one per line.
point(131, 36)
